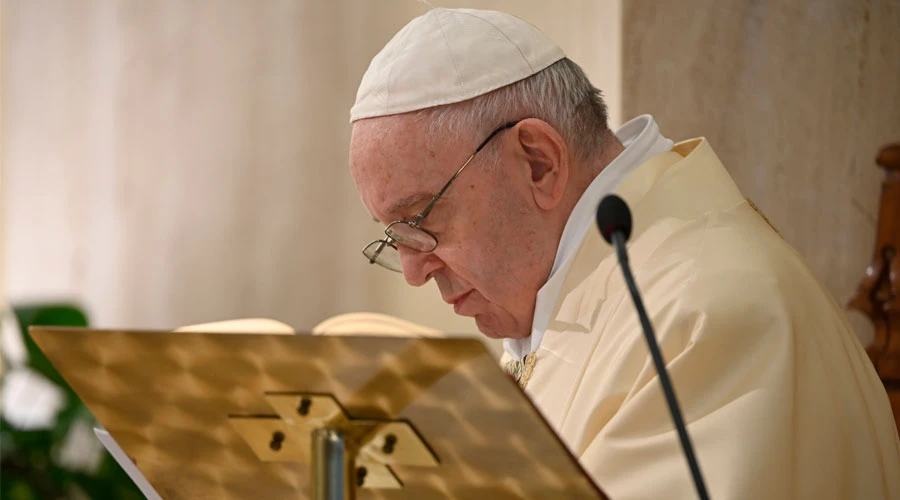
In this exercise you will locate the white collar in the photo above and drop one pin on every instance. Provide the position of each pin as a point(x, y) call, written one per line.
point(642, 140)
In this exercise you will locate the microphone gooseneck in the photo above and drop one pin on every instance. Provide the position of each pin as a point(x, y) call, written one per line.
point(614, 222)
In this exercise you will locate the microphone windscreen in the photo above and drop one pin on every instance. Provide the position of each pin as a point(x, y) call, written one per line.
point(613, 215)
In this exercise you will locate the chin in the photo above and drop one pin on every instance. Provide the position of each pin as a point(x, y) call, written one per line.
point(491, 328)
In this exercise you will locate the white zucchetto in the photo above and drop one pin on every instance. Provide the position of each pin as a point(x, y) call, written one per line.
point(451, 55)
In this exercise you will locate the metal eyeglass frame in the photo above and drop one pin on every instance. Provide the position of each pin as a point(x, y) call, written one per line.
point(414, 223)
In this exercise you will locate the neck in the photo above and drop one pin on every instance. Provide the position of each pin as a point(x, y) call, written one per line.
point(612, 147)
point(585, 172)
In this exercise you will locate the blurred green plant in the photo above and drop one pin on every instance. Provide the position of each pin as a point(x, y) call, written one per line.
point(29, 464)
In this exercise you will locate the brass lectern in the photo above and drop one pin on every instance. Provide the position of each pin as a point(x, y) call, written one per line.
point(207, 415)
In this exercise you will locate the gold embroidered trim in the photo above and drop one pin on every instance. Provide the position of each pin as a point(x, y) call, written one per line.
point(758, 211)
point(521, 370)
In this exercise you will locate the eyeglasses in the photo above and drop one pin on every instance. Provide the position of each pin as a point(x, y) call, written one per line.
point(408, 233)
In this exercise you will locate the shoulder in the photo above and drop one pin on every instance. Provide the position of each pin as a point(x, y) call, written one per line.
point(729, 268)
point(723, 246)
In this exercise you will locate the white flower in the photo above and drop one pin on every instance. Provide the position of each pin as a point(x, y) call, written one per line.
point(80, 450)
point(30, 401)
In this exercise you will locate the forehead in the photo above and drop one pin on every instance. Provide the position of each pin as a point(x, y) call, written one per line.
point(393, 160)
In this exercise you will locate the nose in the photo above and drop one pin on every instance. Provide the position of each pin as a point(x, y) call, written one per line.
point(418, 266)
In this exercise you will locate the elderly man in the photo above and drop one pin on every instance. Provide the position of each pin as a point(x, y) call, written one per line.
point(485, 151)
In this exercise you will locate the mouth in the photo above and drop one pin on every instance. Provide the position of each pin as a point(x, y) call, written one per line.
point(458, 301)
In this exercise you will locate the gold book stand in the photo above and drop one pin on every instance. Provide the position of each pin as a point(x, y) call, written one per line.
point(213, 415)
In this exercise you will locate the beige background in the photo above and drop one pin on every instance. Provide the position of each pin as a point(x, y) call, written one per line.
point(796, 97)
point(170, 162)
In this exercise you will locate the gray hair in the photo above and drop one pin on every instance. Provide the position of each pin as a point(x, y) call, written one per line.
point(560, 94)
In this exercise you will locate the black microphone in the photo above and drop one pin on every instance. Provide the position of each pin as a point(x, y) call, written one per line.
point(614, 221)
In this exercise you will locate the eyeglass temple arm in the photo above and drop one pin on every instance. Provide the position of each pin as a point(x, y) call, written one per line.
point(440, 193)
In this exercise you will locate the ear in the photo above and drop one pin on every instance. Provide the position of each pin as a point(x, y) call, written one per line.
point(547, 157)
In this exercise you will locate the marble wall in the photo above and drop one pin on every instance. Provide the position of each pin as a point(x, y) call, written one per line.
point(795, 97)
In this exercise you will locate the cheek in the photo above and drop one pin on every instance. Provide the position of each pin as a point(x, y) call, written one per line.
point(492, 252)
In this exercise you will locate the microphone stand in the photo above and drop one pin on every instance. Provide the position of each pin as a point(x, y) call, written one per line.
point(618, 240)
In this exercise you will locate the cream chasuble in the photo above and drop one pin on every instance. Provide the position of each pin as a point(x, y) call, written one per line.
point(780, 398)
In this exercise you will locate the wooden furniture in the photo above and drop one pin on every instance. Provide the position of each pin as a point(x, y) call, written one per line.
point(878, 295)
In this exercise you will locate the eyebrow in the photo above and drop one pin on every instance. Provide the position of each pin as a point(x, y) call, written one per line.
point(409, 201)
point(405, 203)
